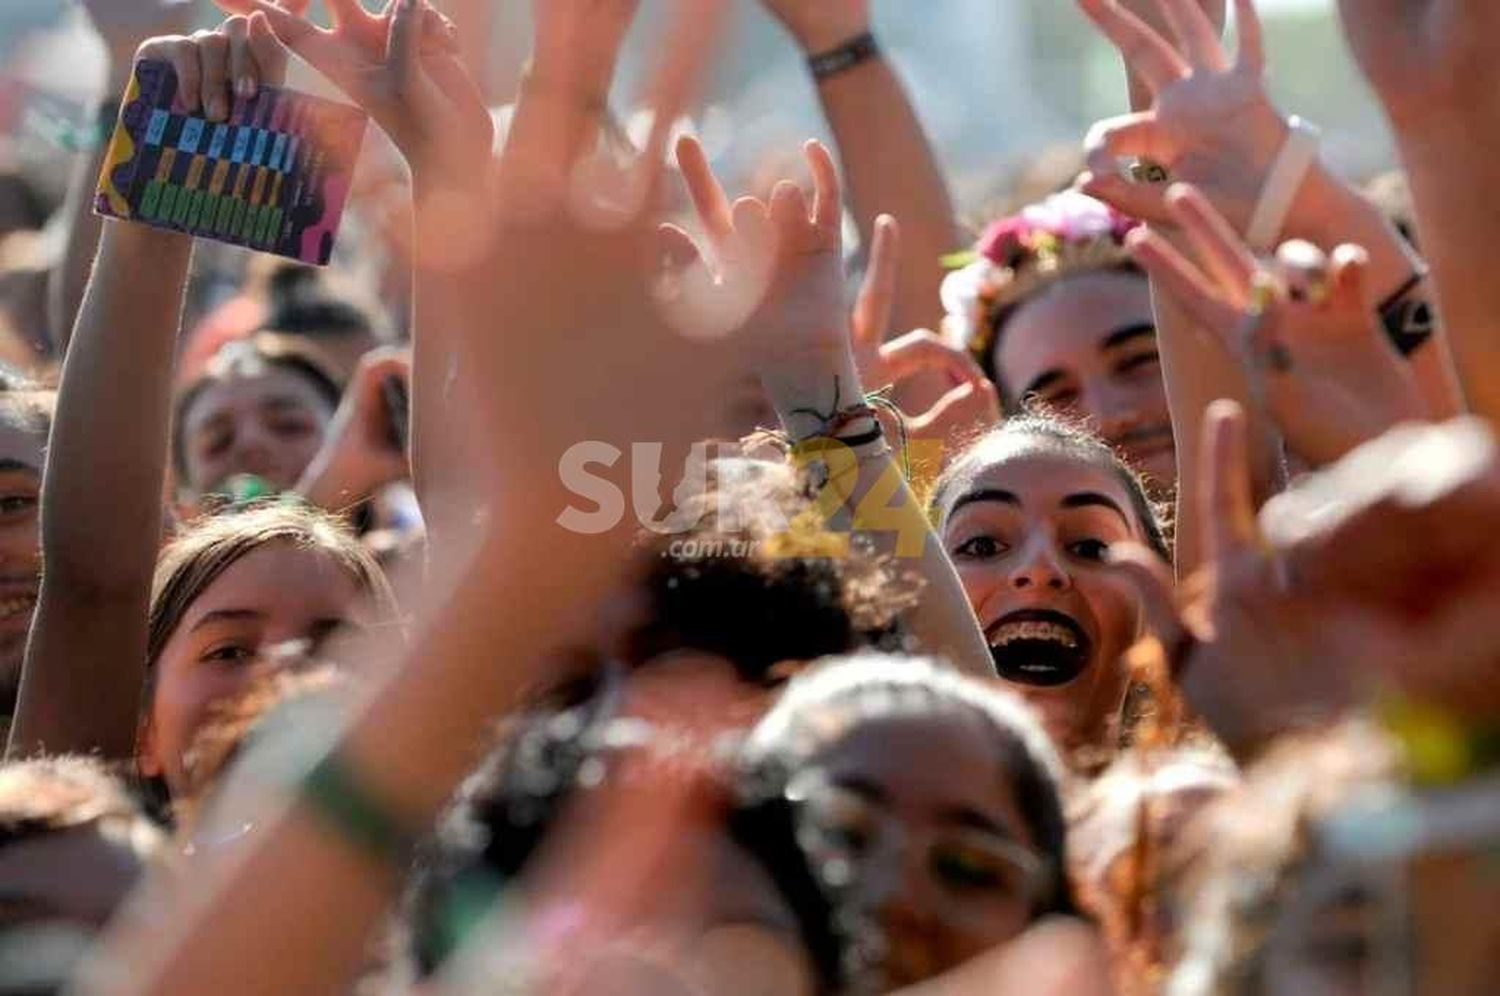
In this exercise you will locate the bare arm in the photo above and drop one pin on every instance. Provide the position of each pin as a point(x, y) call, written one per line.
point(889, 166)
point(799, 343)
point(121, 25)
point(101, 507)
point(1206, 117)
point(508, 587)
point(1431, 63)
point(101, 504)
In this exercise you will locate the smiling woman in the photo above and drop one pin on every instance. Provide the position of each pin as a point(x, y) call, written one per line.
point(1028, 515)
point(1055, 310)
point(228, 592)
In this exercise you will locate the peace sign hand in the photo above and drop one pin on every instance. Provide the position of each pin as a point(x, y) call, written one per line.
point(402, 66)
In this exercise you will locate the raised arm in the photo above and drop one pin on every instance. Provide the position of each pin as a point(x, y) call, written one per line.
point(102, 493)
point(1432, 64)
point(506, 590)
point(121, 25)
point(782, 262)
point(1205, 117)
point(888, 163)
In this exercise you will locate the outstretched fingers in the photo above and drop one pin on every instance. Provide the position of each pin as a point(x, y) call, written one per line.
point(1229, 524)
point(1252, 42)
point(693, 28)
point(1182, 281)
point(1223, 253)
point(877, 295)
point(828, 203)
point(1147, 54)
point(1201, 42)
point(709, 199)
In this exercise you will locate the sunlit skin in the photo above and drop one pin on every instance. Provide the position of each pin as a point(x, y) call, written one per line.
point(1027, 530)
point(21, 462)
point(1087, 346)
point(270, 424)
point(928, 845)
point(277, 595)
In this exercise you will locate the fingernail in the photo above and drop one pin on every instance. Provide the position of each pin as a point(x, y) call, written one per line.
point(245, 87)
point(216, 108)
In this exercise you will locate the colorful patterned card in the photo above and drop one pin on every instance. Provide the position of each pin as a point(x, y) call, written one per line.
point(274, 177)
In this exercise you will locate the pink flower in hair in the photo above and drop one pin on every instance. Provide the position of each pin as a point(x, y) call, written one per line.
point(1006, 241)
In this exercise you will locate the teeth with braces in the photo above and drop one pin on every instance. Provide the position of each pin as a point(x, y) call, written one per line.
point(16, 606)
point(1033, 630)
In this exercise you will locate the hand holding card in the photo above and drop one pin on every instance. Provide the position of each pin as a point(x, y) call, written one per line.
point(269, 169)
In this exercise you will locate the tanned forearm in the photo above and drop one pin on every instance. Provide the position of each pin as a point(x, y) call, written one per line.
point(101, 501)
point(889, 168)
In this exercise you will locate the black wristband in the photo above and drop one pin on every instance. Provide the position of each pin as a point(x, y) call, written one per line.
point(864, 438)
point(1408, 319)
point(856, 51)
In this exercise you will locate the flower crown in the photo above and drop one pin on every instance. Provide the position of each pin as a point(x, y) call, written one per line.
point(1015, 256)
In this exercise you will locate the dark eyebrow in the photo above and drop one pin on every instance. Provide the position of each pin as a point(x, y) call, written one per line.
point(1092, 499)
point(1121, 336)
point(985, 494)
point(225, 615)
point(283, 402)
point(864, 788)
point(10, 466)
point(1042, 381)
point(972, 819)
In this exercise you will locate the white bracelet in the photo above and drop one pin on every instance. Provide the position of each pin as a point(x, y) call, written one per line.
point(1290, 169)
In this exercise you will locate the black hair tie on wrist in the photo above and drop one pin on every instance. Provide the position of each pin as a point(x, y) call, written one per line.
point(864, 438)
point(856, 51)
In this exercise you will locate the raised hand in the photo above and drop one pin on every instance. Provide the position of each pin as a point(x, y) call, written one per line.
point(1399, 534)
point(362, 452)
point(1318, 358)
point(970, 405)
point(402, 66)
point(772, 268)
point(819, 25)
point(1251, 655)
point(214, 66)
point(1211, 122)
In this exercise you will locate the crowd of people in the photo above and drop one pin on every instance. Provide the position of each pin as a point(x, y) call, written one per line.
point(601, 581)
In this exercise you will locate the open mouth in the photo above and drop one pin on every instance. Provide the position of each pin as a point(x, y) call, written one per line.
point(1038, 647)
